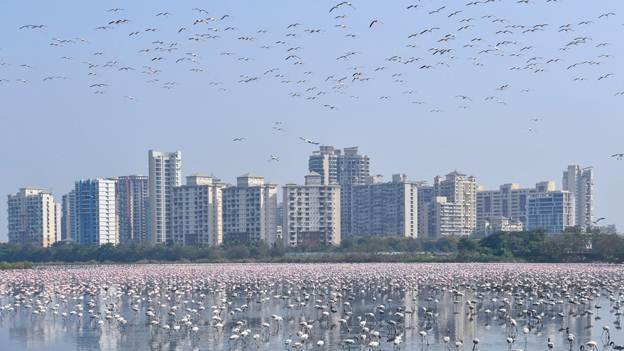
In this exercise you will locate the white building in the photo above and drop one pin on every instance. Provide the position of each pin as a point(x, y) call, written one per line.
point(197, 211)
point(500, 224)
point(95, 213)
point(446, 218)
point(509, 201)
point(250, 210)
point(311, 212)
point(344, 167)
point(389, 208)
point(132, 204)
point(33, 218)
point(552, 212)
point(165, 173)
point(460, 189)
point(579, 182)
point(325, 163)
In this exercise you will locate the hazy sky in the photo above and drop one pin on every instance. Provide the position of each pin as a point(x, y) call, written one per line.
point(422, 114)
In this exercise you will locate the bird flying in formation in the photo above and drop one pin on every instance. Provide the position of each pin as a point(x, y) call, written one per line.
point(599, 220)
point(618, 156)
point(308, 141)
point(443, 39)
point(373, 22)
point(274, 158)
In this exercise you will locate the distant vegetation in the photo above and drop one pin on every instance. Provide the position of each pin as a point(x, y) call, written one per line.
point(520, 246)
point(15, 265)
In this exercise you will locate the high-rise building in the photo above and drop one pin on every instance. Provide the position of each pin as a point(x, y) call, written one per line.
point(460, 189)
point(446, 218)
point(425, 198)
point(389, 208)
point(279, 219)
point(132, 208)
point(249, 210)
point(579, 181)
point(311, 212)
point(508, 202)
point(552, 212)
point(95, 212)
point(197, 211)
point(69, 222)
point(346, 168)
point(165, 173)
point(33, 218)
point(325, 163)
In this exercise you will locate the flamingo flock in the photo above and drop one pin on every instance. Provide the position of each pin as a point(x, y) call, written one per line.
point(368, 307)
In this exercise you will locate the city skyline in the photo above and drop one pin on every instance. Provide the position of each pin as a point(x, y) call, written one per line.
point(59, 130)
point(208, 210)
point(412, 174)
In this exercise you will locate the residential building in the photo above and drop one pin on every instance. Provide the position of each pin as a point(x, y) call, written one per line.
point(69, 223)
point(346, 168)
point(325, 162)
point(460, 189)
point(446, 218)
point(552, 212)
point(579, 181)
point(509, 201)
point(425, 198)
point(312, 212)
point(197, 211)
point(279, 218)
point(249, 210)
point(165, 173)
point(132, 208)
point(33, 218)
point(95, 212)
point(382, 209)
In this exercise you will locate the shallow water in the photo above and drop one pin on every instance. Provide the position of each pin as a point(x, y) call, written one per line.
point(23, 329)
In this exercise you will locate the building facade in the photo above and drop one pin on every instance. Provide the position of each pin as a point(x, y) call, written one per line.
point(249, 210)
point(132, 208)
point(389, 208)
point(579, 181)
point(197, 212)
point(462, 190)
point(33, 218)
point(165, 173)
point(552, 212)
point(510, 201)
point(445, 218)
point(344, 167)
point(69, 222)
point(325, 163)
point(95, 212)
point(425, 198)
point(311, 212)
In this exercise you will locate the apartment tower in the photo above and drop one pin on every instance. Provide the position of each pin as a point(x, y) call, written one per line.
point(311, 212)
point(165, 173)
point(33, 218)
point(579, 181)
point(197, 211)
point(345, 168)
point(250, 210)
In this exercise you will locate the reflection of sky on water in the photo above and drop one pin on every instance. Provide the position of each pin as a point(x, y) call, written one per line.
point(450, 316)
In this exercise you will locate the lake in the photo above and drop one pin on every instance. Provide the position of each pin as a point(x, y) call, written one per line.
point(488, 307)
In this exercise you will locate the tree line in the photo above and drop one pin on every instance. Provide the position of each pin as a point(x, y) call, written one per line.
point(533, 246)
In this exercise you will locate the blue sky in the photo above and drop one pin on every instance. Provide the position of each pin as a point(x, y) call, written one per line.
point(408, 119)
